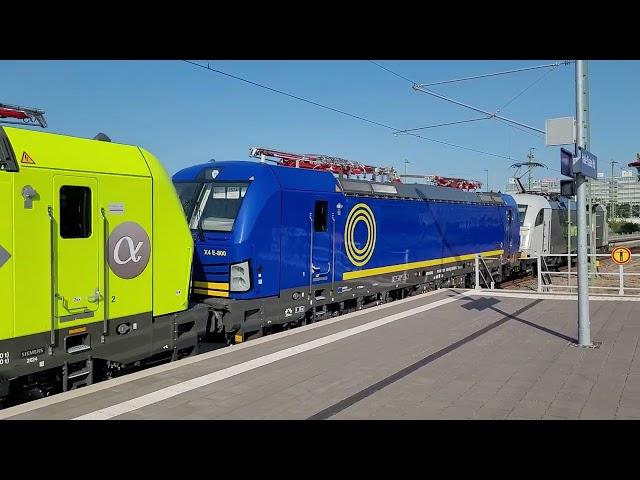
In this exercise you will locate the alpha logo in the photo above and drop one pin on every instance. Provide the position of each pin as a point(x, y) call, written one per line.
point(133, 251)
point(129, 250)
point(360, 213)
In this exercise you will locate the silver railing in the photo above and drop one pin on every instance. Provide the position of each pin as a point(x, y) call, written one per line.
point(483, 272)
point(569, 282)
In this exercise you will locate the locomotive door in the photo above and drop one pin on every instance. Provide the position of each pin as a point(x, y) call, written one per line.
point(546, 230)
point(509, 229)
point(322, 233)
point(75, 232)
point(6, 253)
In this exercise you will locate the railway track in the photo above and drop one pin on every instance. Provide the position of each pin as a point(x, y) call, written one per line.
point(623, 238)
point(528, 282)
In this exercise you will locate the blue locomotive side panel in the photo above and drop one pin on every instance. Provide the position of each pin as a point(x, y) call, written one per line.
point(361, 237)
point(380, 236)
point(512, 226)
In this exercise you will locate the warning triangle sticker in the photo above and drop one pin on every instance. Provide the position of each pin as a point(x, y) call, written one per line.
point(27, 159)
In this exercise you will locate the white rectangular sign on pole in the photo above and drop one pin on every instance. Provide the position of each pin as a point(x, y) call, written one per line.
point(560, 131)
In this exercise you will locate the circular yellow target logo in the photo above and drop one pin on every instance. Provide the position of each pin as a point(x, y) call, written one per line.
point(360, 213)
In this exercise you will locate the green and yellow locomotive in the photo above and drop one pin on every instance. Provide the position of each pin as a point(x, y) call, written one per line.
point(95, 263)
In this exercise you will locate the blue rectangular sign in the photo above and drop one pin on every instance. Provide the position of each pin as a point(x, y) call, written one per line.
point(566, 162)
point(586, 164)
point(567, 188)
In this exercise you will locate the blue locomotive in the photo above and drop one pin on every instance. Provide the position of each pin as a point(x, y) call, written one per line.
point(277, 246)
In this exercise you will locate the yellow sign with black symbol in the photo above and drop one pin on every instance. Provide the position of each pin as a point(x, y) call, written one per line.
point(360, 213)
point(621, 255)
point(27, 159)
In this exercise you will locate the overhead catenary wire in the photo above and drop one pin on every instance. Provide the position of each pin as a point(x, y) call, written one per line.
point(342, 112)
point(461, 147)
point(428, 126)
point(527, 88)
point(207, 67)
point(533, 134)
point(477, 109)
point(420, 88)
point(392, 72)
point(517, 70)
point(443, 124)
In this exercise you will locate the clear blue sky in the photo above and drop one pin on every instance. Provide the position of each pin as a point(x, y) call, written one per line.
point(186, 115)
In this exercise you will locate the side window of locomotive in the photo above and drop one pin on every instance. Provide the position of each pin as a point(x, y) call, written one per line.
point(75, 212)
point(540, 218)
point(320, 217)
point(187, 192)
point(522, 212)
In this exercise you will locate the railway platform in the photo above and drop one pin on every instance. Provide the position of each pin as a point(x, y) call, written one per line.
point(448, 354)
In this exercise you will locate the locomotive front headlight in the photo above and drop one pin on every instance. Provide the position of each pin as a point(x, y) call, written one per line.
point(240, 278)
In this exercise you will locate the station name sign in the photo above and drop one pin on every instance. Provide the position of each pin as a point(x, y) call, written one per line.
point(586, 163)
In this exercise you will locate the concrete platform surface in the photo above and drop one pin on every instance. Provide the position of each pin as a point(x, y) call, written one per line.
point(449, 354)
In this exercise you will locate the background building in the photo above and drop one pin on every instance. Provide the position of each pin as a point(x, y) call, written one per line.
point(621, 195)
point(546, 185)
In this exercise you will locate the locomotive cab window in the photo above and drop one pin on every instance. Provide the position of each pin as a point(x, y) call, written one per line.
point(75, 212)
point(320, 217)
point(188, 194)
point(218, 206)
point(540, 218)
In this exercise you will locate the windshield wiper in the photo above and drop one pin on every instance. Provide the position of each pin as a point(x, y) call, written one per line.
point(200, 229)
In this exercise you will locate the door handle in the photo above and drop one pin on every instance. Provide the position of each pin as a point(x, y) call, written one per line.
point(95, 298)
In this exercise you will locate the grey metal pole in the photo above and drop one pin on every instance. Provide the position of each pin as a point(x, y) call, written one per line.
point(592, 228)
point(587, 145)
point(569, 243)
point(539, 268)
point(584, 327)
